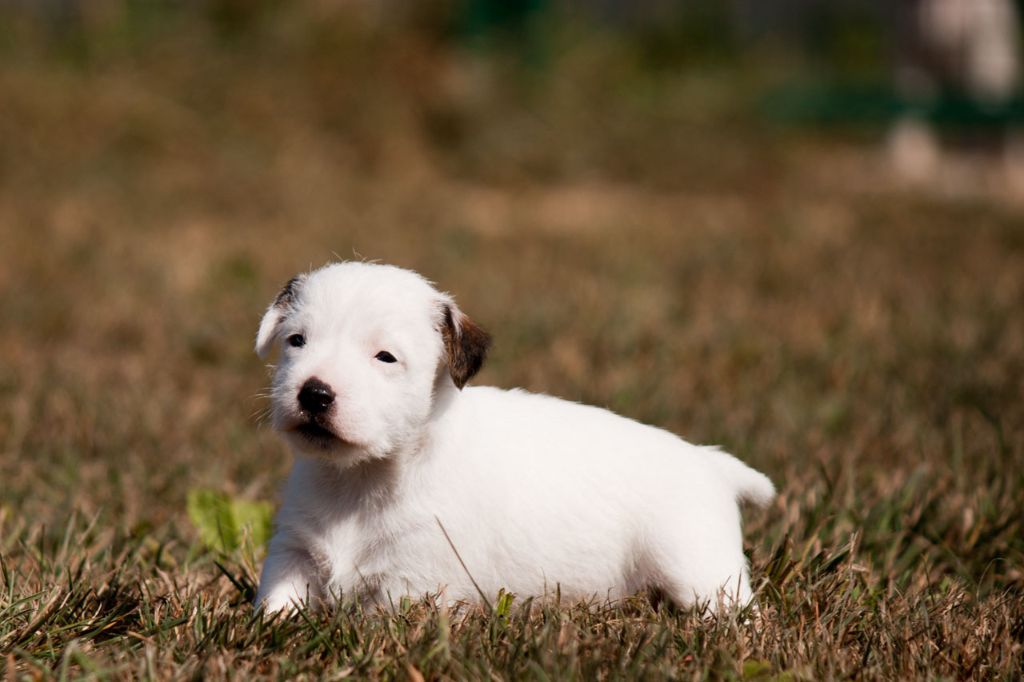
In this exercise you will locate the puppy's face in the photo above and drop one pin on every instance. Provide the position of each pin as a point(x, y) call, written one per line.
point(364, 351)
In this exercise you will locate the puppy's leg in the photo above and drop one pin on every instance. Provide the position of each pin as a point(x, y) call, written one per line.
point(289, 579)
point(702, 565)
point(714, 587)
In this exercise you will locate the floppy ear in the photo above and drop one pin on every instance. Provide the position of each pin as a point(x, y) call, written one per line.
point(465, 344)
point(277, 311)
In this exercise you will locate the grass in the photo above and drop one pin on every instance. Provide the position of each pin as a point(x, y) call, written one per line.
point(633, 239)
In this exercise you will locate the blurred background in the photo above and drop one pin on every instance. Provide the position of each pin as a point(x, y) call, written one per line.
point(793, 228)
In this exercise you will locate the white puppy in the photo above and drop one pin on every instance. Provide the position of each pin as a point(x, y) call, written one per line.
point(407, 482)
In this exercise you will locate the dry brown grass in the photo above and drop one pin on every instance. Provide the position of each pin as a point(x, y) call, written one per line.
point(631, 240)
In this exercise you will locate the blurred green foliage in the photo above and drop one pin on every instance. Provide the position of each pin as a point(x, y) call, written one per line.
point(664, 36)
point(829, 64)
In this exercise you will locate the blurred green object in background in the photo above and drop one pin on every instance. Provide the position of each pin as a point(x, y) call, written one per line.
point(834, 104)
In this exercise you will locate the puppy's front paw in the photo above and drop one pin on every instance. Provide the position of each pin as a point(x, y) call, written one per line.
point(286, 582)
point(286, 600)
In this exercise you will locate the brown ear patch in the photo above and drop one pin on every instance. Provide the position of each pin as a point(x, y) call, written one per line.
point(465, 344)
point(288, 293)
point(276, 313)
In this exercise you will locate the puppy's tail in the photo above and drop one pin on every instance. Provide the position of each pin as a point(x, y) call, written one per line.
point(750, 485)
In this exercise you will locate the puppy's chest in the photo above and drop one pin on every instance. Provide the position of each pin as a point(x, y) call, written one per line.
point(361, 555)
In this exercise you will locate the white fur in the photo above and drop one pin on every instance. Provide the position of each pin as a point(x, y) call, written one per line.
point(435, 489)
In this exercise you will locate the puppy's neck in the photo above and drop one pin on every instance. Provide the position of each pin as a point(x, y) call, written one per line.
point(371, 481)
point(445, 397)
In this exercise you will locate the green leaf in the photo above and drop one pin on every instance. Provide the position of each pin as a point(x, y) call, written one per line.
point(223, 522)
point(503, 606)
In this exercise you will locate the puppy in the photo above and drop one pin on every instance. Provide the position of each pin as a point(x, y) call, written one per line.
point(408, 482)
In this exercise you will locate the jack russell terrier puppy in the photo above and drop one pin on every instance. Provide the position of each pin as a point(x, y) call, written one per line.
point(408, 482)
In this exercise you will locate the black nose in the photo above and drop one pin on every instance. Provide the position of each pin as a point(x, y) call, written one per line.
point(315, 396)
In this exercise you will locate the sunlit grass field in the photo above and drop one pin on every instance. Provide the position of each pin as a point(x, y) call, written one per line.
point(634, 237)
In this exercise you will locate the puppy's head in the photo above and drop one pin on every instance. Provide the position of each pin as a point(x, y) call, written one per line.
point(365, 350)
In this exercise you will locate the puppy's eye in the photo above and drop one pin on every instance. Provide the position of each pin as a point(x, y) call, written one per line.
point(297, 340)
point(385, 356)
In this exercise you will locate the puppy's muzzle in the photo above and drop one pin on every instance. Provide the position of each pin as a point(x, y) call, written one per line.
point(316, 397)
